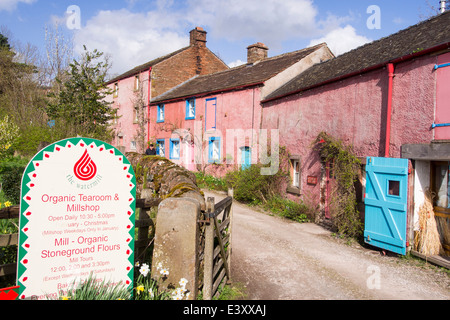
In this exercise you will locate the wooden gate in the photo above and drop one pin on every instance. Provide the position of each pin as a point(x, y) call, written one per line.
point(386, 200)
point(217, 247)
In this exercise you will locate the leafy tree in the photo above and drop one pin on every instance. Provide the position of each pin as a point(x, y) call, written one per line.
point(80, 108)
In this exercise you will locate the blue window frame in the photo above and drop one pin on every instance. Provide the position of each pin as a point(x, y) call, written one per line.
point(161, 147)
point(190, 109)
point(214, 150)
point(175, 148)
point(160, 113)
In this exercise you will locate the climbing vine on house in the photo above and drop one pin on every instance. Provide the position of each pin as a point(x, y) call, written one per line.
point(345, 169)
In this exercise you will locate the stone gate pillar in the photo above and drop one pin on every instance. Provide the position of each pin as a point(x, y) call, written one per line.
point(176, 244)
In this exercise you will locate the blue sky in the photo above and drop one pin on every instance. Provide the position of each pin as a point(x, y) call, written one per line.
point(133, 32)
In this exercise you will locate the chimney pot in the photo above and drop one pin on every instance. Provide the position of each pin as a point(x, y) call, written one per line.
point(443, 5)
point(198, 37)
point(256, 52)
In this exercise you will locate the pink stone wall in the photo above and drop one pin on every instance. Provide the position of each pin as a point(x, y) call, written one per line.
point(234, 110)
point(354, 110)
point(124, 103)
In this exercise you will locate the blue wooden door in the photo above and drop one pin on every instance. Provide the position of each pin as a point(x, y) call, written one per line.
point(386, 201)
point(246, 157)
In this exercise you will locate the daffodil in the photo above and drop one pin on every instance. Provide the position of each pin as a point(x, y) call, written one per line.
point(164, 272)
point(139, 289)
point(183, 282)
point(144, 270)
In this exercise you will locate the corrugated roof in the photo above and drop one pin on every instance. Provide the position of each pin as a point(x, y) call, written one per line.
point(424, 35)
point(241, 76)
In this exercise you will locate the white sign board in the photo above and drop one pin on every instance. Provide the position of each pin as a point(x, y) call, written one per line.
point(76, 218)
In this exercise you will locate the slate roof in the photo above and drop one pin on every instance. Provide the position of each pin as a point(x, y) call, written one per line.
point(411, 41)
point(237, 77)
point(145, 66)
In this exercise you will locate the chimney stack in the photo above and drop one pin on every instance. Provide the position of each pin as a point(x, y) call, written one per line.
point(256, 52)
point(443, 6)
point(198, 37)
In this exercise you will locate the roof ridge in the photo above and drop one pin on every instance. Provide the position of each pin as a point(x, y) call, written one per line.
point(304, 80)
point(417, 25)
point(146, 65)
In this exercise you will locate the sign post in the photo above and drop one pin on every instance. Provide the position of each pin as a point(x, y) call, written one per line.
point(77, 216)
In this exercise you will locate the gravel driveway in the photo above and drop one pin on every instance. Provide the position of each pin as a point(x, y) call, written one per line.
point(277, 259)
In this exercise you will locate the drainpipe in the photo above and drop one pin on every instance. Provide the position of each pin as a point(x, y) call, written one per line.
point(148, 101)
point(390, 67)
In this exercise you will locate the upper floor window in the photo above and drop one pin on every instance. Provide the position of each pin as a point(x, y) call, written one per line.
point(136, 83)
point(160, 113)
point(190, 109)
point(116, 90)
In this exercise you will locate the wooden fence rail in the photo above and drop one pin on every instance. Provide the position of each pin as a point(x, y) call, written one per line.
point(217, 246)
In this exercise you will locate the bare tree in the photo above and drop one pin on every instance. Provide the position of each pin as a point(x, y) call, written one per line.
point(59, 53)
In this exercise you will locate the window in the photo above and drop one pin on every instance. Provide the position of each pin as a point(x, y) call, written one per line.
point(394, 188)
point(160, 113)
point(296, 173)
point(214, 149)
point(116, 90)
point(136, 83)
point(190, 109)
point(161, 147)
point(174, 148)
point(133, 145)
point(135, 115)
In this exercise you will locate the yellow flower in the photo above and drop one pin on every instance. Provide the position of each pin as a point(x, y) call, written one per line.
point(7, 204)
point(64, 298)
point(139, 289)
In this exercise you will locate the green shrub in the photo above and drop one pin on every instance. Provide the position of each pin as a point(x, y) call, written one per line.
point(251, 186)
point(11, 172)
point(288, 209)
point(210, 182)
point(346, 165)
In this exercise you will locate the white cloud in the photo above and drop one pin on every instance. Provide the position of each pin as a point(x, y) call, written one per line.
point(236, 63)
point(10, 5)
point(341, 40)
point(267, 21)
point(133, 38)
point(130, 38)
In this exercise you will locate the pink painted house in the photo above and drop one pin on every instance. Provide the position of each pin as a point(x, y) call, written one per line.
point(212, 122)
point(134, 88)
point(390, 100)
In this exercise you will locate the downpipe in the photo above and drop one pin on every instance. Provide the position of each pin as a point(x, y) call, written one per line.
point(390, 68)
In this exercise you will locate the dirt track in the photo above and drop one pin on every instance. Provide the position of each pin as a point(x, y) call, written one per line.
point(276, 259)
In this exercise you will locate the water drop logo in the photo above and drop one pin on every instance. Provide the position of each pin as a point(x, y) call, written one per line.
point(85, 169)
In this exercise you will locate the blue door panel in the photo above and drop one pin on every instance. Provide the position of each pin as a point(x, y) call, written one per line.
point(246, 158)
point(386, 203)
